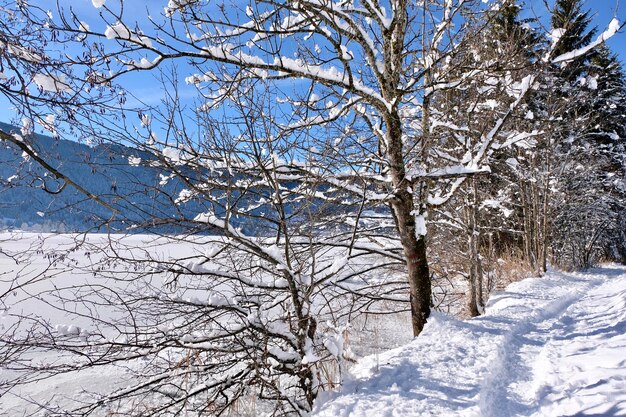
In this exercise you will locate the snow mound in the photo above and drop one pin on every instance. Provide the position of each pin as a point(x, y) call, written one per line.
point(551, 346)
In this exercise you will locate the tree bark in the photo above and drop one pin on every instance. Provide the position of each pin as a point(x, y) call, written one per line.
point(545, 220)
point(475, 296)
point(413, 244)
point(416, 261)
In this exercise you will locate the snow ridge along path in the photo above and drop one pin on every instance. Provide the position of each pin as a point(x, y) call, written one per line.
point(550, 346)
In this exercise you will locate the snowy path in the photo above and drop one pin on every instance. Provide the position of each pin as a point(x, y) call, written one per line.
point(551, 346)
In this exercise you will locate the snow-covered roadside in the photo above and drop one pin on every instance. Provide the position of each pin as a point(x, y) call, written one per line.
point(551, 346)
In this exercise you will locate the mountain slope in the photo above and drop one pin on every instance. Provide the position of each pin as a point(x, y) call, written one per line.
point(551, 346)
point(104, 170)
point(145, 202)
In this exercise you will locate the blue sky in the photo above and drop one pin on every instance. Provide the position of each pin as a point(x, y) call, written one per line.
point(145, 85)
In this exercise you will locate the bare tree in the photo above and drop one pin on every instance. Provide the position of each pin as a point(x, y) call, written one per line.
point(359, 66)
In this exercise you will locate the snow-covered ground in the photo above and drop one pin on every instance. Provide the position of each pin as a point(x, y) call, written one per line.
point(63, 283)
point(551, 346)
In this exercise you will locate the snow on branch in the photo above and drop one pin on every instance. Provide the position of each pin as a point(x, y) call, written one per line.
point(52, 83)
point(447, 172)
point(613, 28)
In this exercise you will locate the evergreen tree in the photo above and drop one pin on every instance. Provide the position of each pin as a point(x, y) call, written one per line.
point(571, 27)
point(608, 98)
point(587, 106)
point(607, 133)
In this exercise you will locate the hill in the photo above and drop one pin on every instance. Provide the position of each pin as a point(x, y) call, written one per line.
point(104, 170)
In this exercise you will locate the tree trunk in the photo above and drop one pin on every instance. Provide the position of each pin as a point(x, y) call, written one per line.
point(475, 298)
point(416, 261)
point(472, 299)
point(529, 226)
point(536, 222)
point(545, 220)
point(413, 240)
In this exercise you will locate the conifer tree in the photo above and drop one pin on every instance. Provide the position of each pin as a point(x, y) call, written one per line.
point(571, 27)
point(588, 135)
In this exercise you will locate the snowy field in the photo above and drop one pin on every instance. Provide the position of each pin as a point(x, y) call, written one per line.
point(552, 346)
point(45, 276)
